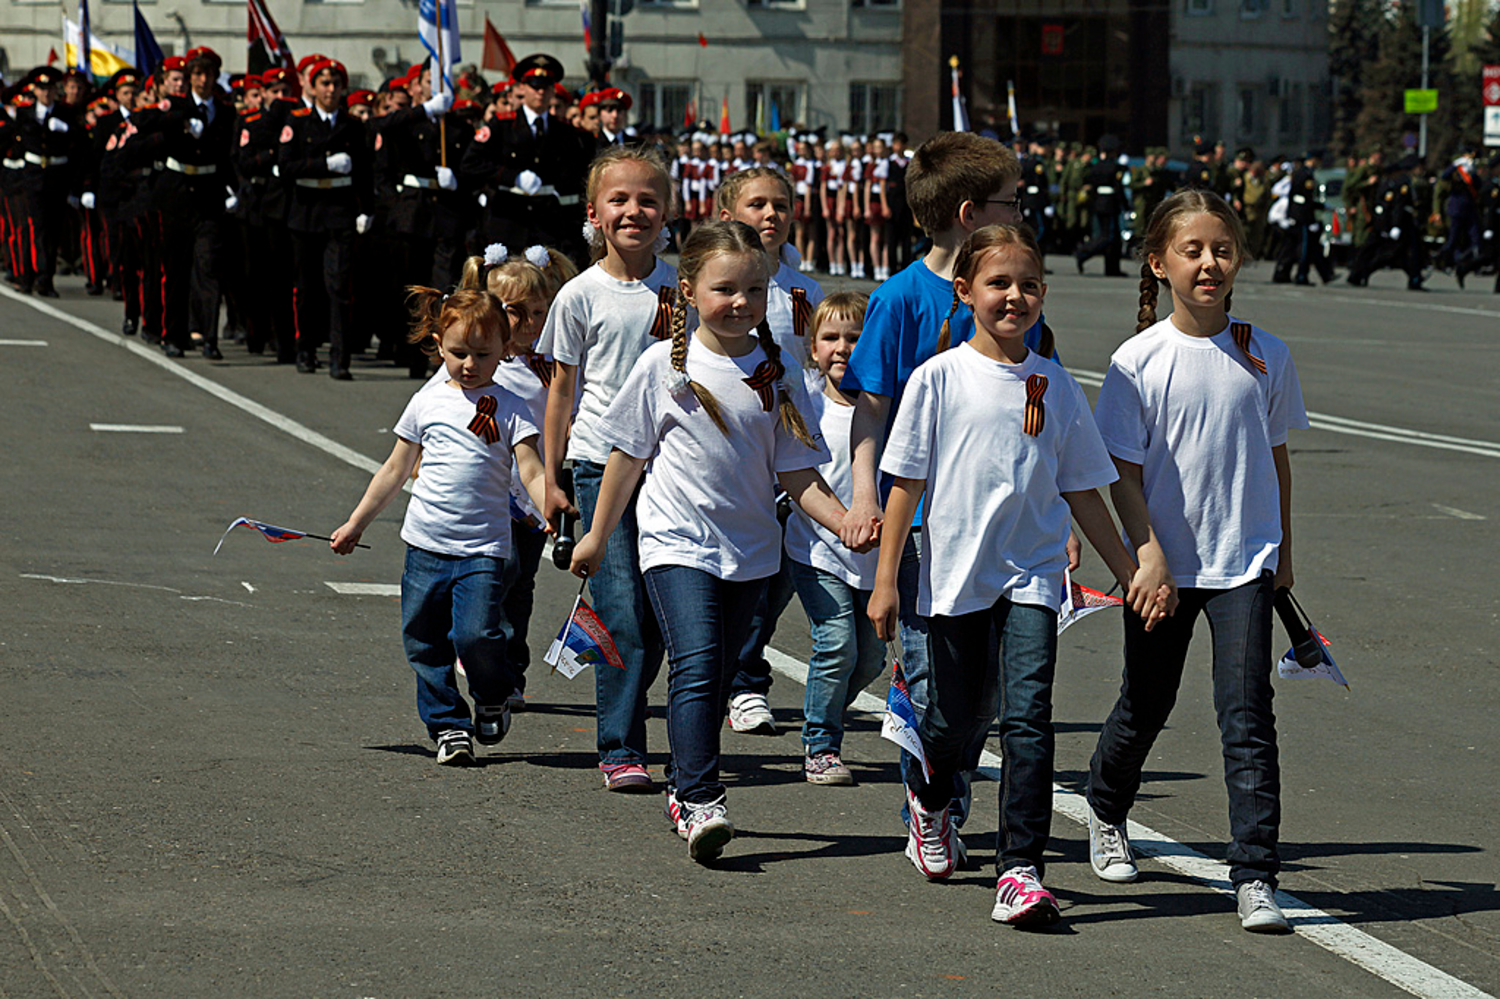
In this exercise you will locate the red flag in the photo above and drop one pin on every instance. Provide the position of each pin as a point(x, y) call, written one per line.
point(51, 56)
point(701, 40)
point(263, 31)
point(497, 54)
point(724, 116)
point(691, 115)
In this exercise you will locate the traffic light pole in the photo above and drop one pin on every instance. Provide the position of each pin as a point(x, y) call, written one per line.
point(1422, 130)
point(599, 44)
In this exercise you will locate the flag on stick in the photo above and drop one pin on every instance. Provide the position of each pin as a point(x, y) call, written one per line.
point(960, 109)
point(1010, 107)
point(1308, 657)
point(93, 56)
point(582, 642)
point(83, 61)
point(900, 723)
point(268, 47)
point(724, 116)
point(441, 43)
point(588, 26)
point(148, 54)
point(1080, 601)
point(271, 533)
point(497, 54)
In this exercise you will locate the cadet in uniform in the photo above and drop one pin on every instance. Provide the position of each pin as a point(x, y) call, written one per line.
point(1397, 236)
point(50, 139)
point(1036, 191)
point(1304, 239)
point(532, 168)
point(1104, 187)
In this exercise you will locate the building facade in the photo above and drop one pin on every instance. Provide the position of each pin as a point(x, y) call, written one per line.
point(830, 63)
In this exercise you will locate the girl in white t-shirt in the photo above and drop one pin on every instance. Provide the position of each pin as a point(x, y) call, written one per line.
point(1001, 440)
point(762, 199)
point(707, 425)
point(1204, 471)
point(458, 525)
point(598, 326)
point(832, 582)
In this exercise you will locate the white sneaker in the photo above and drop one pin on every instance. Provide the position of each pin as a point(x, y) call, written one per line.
point(1259, 913)
point(1020, 900)
point(676, 814)
point(751, 713)
point(455, 748)
point(930, 840)
point(1109, 851)
point(708, 829)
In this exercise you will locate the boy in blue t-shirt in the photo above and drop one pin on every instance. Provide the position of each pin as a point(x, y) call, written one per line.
point(957, 182)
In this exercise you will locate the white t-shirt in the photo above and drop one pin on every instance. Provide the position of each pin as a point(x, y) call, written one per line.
point(602, 325)
point(708, 499)
point(459, 503)
point(995, 523)
point(779, 316)
point(808, 541)
point(1205, 448)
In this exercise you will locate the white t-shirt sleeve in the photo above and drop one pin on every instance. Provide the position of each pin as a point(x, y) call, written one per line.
point(791, 454)
point(632, 423)
point(1083, 461)
point(565, 335)
point(1120, 415)
point(909, 445)
point(1286, 410)
point(409, 426)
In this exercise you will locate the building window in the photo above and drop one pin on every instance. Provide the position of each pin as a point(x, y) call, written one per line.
point(665, 104)
point(883, 4)
point(874, 107)
point(1291, 113)
point(1288, 8)
point(778, 105)
point(1252, 9)
point(1200, 111)
point(1199, 8)
point(779, 4)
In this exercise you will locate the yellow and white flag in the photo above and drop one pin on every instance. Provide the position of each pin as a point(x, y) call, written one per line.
point(104, 60)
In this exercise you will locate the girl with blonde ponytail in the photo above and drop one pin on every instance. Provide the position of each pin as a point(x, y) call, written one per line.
point(719, 419)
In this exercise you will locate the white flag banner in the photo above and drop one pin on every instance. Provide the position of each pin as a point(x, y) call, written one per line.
point(442, 45)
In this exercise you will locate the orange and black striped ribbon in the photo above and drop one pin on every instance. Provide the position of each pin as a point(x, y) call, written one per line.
point(661, 326)
point(801, 312)
point(1241, 334)
point(541, 367)
point(763, 381)
point(1036, 411)
point(483, 424)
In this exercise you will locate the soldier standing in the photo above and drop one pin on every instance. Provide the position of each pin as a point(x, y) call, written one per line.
point(1104, 188)
point(49, 140)
point(1304, 237)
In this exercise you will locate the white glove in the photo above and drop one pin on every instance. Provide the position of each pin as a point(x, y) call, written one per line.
point(1489, 234)
point(1395, 232)
point(231, 203)
point(529, 182)
point(87, 200)
point(446, 180)
point(1124, 160)
point(361, 224)
point(437, 105)
point(1049, 211)
point(57, 124)
point(195, 127)
point(340, 163)
point(484, 200)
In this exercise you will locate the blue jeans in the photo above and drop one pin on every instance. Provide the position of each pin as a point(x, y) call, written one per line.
point(753, 673)
point(620, 601)
point(847, 655)
point(912, 628)
point(526, 548)
point(1240, 620)
point(965, 679)
point(704, 620)
point(451, 608)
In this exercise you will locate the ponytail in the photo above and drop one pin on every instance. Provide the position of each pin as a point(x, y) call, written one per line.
point(945, 335)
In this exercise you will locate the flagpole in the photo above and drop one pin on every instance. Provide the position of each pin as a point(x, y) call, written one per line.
point(442, 82)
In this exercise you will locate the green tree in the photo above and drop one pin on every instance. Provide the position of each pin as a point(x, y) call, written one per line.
point(1476, 44)
point(1382, 120)
point(1354, 28)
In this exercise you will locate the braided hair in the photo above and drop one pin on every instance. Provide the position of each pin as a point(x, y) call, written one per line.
point(791, 418)
point(966, 264)
point(679, 364)
point(1165, 221)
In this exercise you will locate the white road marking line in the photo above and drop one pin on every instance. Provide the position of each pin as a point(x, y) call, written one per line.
point(102, 582)
point(247, 586)
point(1360, 428)
point(1376, 956)
point(23, 343)
point(366, 589)
point(1455, 512)
point(134, 428)
point(1327, 931)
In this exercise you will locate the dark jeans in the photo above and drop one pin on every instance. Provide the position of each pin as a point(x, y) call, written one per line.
point(620, 600)
point(451, 608)
point(704, 620)
point(753, 672)
point(527, 544)
point(965, 679)
point(1240, 621)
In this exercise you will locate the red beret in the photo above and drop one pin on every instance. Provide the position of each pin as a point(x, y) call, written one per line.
point(333, 65)
point(174, 62)
point(366, 97)
point(308, 60)
point(276, 76)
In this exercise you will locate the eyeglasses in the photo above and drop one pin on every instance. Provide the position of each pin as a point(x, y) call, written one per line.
point(1007, 202)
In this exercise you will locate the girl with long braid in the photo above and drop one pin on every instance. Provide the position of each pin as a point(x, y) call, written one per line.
point(708, 423)
point(999, 439)
point(1195, 411)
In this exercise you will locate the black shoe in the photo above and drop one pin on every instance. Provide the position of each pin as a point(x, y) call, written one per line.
point(171, 350)
point(128, 327)
point(44, 289)
point(339, 373)
point(1415, 286)
point(305, 365)
point(211, 351)
point(1303, 281)
point(93, 290)
point(1077, 259)
point(1459, 273)
point(256, 349)
point(285, 358)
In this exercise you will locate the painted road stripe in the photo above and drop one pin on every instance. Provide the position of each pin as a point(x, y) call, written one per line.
point(1454, 511)
point(366, 589)
point(1327, 931)
point(23, 343)
point(1360, 428)
point(134, 428)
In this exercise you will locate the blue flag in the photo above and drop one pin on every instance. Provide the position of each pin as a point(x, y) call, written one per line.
point(443, 45)
point(85, 34)
point(900, 723)
point(148, 55)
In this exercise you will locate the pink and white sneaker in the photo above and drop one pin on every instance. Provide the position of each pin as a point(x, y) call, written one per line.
point(930, 840)
point(1020, 900)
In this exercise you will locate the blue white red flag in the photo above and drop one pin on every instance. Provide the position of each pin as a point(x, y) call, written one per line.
point(270, 531)
point(1080, 601)
point(1290, 669)
point(582, 642)
point(443, 45)
point(900, 723)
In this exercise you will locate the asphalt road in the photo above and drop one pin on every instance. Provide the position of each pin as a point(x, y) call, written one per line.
point(213, 780)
